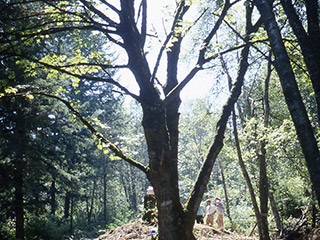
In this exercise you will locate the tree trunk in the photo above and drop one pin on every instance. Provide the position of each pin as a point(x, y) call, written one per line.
point(292, 95)
point(161, 131)
point(263, 179)
point(275, 212)
point(174, 223)
point(263, 190)
point(160, 123)
point(18, 178)
point(105, 217)
point(256, 209)
point(67, 205)
point(53, 197)
point(225, 193)
point(92, 202)
point(71, 214)
point(133, 197)
point(314, 215)
point(309, 41)
point(246, 175)
point(18, 181)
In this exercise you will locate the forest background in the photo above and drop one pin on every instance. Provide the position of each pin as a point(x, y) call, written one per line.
point(70, 114)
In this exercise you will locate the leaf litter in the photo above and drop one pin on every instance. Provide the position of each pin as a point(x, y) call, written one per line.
point(141, 230)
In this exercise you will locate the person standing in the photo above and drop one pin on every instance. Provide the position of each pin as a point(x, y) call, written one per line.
point(220, 211)
point(210, 210)
point(200, 214)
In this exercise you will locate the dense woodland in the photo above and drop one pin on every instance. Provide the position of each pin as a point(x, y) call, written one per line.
point(99, 99)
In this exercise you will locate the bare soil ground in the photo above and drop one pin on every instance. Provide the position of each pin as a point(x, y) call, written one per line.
point(139, 230)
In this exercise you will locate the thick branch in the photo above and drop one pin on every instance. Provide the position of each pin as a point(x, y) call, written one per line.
point(144, 23)
point(175, 91)
point(18, 35)
point(85, 77)
point(111, 6)
point(93, 130)
point(205, 172)
point(204, 175)
point(206, 41)
point(201, 58)
point(98, 13)
point(177, 17)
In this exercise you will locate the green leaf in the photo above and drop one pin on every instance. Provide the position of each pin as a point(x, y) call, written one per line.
point(114, 158)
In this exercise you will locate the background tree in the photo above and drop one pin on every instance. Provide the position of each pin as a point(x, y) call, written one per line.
point(290, 88)
point(54, 155)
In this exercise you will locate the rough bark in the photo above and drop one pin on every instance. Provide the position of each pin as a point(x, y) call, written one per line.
point(263, 179)
point(292, 95)
point(160, 127)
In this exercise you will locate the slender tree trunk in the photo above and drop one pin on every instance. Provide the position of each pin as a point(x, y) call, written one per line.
point(204, 175)
point(71, 213)
point(263, 190)
point(53, 197)
point(133, 197)
point(105, 217)
point(314, 215)
point(275, 211)
point(87, 205)
point(92, 202)
point(258, 215)
point(246, 176)
point(263, 180)
point(67, 205)
point(225, 193)
point(18, 180)
point(292, 95)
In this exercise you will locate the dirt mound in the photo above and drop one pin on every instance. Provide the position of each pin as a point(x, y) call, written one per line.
point(205, 232)
point(140, 230)
point(136, 230)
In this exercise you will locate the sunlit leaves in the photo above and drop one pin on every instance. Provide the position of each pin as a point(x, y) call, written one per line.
point(11, 90)
point(30, 96)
